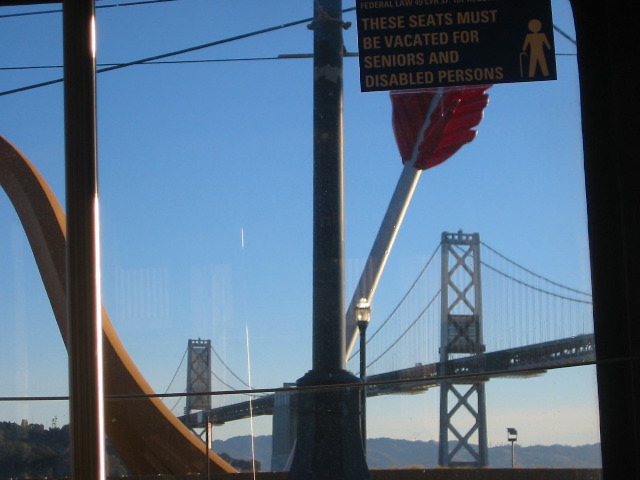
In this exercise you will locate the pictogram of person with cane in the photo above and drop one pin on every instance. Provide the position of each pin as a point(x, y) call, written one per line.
point(536, 42)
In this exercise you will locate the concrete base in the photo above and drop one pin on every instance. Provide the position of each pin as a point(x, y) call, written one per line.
point(329, 442)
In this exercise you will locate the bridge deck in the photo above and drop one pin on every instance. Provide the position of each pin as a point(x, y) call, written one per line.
point(520, 362)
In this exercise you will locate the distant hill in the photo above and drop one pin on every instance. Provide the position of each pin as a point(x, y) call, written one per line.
point(391, 453)
point(31, 451)
point(394, 453)
point(240, 448)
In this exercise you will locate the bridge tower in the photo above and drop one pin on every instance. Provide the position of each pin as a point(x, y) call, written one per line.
point(198, 376)
point(462, 403)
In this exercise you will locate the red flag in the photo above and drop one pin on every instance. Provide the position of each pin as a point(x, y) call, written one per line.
point(431, 125)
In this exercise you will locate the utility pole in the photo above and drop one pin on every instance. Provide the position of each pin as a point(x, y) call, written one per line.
point(328, 443)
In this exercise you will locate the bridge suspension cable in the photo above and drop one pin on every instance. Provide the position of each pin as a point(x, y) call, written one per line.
point(222, 381)
point(232, 373)
point(521, 308)
point(177, 370)
point(178, 400)
point(218, 377)
point(396, 325)
point(411, 325)
point(393, 312)
point(229, 370)
point(531, 272)
point(538, 289)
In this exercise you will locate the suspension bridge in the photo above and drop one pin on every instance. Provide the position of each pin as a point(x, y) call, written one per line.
point(463, 320)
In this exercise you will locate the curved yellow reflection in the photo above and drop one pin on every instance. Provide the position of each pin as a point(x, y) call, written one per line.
point(147, 436)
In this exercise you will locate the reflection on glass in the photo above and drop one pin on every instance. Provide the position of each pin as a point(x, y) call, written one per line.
point(206, 207)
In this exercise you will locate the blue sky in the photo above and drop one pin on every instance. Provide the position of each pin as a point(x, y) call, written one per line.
point(194, 158)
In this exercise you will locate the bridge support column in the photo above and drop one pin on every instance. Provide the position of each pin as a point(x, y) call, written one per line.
point(462, 403)
point(198, 375)
point(285, 424)
point(463, 452)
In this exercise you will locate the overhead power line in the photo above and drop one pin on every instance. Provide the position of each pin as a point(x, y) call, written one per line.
point(59, 10)
point(156, 59)
point(172, 62)
point(564, 34)
point(286, 56)
point(174, 53)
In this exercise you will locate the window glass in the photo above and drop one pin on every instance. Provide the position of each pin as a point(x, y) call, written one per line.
point(33, 360)
point(206, 165)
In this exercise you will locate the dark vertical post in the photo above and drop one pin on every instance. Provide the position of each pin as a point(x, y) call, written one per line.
point(513, 454)
point(328, 219)
point(610, 137)
point(83, 281)
point(363, 377)
point(328, 443)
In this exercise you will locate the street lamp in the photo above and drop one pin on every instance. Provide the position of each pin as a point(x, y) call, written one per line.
point(363, 315)
point(208, 446)
point(512, 436)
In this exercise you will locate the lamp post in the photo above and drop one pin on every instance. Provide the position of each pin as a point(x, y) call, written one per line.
point(512, 436)
point(208, 447)
point(363, 316)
